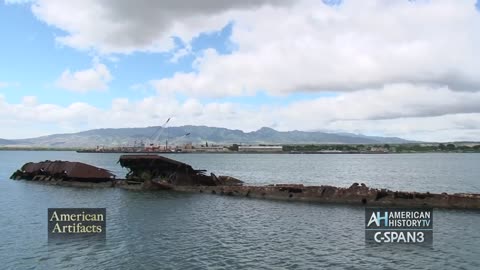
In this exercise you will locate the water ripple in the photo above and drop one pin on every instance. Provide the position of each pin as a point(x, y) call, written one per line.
point(166, 230)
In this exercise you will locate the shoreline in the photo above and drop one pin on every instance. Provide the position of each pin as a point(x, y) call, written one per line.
point(228, 152)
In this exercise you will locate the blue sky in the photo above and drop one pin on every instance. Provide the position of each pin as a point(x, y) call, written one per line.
point(32, 61)
point(337, 66)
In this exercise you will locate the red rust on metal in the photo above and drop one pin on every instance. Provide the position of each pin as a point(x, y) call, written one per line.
point(159, 169)
point(145, 161)
point(65, 170)
point(157, 172)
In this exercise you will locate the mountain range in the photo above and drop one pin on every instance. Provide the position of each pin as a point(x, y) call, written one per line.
point(111, 137)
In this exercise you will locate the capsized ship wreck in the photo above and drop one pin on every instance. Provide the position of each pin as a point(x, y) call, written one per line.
point(153, 172)
point(158, 172)
point(65, 173)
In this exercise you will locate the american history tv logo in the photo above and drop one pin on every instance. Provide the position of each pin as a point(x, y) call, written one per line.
point(399, 225)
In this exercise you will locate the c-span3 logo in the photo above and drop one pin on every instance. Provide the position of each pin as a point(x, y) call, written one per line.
point(399, 225)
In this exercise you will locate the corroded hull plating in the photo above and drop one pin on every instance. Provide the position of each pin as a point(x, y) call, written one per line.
point(62, 171)
point(159, 173)
point(356, 195)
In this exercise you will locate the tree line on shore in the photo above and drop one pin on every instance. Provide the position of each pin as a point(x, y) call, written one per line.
point(347, 148)
point(386, 148)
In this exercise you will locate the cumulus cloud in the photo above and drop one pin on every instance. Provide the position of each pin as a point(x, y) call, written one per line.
point(286, 46)
point(389, 102)
point(399, 68)
point(447, 115)
point(29, 101)
point(452, 127)
point(95, 78)
point(355, 45)
point(123, 26)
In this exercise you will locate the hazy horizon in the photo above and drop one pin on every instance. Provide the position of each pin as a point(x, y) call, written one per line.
point(159, 126)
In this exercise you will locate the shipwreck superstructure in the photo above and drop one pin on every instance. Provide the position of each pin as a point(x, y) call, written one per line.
point(153, 172)
point(163, 173)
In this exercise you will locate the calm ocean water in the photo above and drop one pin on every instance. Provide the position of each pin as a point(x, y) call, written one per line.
point(167, 230)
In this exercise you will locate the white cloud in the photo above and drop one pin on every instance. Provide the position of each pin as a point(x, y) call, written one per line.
point(452, 127)
point(29, 101)
point(286, 46)
point(352, 46)
point(124, 26)
point(390, 102)
point(4, 84)
point(95, 78)
point(447, 115)
point(400, 68)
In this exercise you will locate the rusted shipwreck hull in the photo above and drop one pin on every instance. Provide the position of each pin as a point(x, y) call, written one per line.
point(64, 173)
point(158, 172)
point(355, 195)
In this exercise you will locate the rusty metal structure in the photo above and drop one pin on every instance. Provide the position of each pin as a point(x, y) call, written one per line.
point(62, 171)
point(166, 173)
point(354, 195)
point(150, 172)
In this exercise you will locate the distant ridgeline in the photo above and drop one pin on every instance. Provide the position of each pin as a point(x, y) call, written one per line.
point(289, 148)
point(228, 140)
point(195, 135)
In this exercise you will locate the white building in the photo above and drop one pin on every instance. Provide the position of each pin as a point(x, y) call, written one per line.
point(259, 148)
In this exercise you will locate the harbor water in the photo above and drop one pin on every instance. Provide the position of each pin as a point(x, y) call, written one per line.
point(168, 230)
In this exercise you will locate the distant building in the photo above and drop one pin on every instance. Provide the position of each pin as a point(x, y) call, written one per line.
point(378, 149)
point(203, 148)
point(211, 149)
point(259, 148)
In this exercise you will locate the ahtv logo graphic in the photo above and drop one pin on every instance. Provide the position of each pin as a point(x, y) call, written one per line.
point(399, 225)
